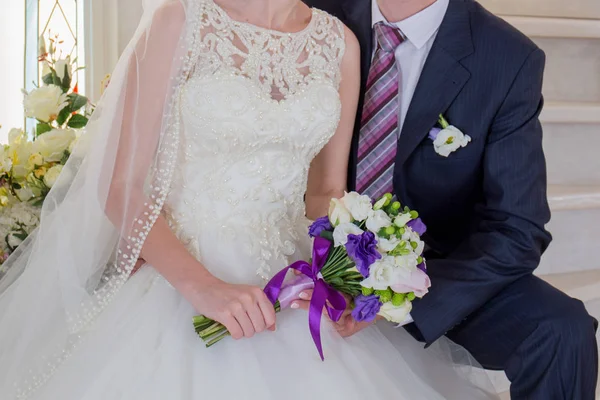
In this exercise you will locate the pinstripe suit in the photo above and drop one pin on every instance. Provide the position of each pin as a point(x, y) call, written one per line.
point(485, 206)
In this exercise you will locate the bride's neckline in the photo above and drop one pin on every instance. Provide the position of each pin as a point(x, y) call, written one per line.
point(263, 29)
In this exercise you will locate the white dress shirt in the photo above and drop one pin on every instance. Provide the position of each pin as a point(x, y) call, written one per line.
point(420, 31)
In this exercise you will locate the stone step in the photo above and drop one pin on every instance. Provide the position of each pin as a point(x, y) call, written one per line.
point(582, 285)
point(545, 8)
point(572, 66)
point(571, 147)
point(575, 228)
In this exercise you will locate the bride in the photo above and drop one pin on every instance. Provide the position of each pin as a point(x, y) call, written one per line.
point(226, 124)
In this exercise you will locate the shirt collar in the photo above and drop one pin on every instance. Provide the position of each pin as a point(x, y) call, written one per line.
point(419, 28)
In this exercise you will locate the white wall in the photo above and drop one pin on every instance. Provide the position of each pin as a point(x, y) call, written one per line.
point(12, 29)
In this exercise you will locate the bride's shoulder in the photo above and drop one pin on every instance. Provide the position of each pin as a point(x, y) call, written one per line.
point(171, 11)
point(328, 21)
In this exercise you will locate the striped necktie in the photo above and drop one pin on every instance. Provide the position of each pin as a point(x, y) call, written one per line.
point(379, 123)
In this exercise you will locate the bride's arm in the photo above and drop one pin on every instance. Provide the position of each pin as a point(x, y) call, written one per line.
point(243, 309)
point(328, 171)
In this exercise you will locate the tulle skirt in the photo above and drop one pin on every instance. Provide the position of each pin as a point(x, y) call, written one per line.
point(143, 347)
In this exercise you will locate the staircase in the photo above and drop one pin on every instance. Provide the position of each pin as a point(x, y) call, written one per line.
point(569, 33)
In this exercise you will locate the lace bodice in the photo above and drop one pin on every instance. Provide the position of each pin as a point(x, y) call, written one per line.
point(256, 109)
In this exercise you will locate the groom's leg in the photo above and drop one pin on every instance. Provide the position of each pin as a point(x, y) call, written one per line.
point(543, 340)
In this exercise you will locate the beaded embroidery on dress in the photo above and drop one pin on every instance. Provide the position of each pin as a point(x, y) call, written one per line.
point(255, 109)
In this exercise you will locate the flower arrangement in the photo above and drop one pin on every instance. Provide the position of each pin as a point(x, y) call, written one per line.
point(29, 167)
point(365, 253)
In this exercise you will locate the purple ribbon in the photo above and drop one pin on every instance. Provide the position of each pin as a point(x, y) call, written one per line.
point(323, 294)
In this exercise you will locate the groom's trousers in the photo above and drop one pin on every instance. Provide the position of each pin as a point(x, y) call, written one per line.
point(543, 339)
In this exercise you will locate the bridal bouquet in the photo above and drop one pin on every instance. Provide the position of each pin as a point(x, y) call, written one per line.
point(365, 253)
point(30, 166)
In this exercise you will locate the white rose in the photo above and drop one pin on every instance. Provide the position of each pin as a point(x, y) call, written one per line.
point(341, 232)
point(45, 103)
point(382, 274)
point(395, 314)
point(359, 206)
point(52, 175)
point(25, 193)
point(338, 213)
point(60, 66)
point(52, 145)
point(16, 136)
point(386, 245)
point(406, 264)
point(449, 140)
point(20, 152)
point(377, 220)
point(5, 161)
point(401, 220)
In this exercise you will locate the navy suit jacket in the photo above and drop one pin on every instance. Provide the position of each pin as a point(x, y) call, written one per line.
point(485, 205)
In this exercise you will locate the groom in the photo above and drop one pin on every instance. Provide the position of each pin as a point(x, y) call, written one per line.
point(485, 203)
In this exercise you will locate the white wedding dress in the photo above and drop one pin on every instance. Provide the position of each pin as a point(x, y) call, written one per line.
point(237, 204)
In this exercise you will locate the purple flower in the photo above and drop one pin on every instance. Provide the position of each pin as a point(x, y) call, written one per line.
point(433, 133)
point(417, 226)
point(320, 225)
point(366, 308)
point(363, 250)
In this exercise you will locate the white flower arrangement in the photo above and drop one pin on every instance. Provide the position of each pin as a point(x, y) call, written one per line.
point(31, 166)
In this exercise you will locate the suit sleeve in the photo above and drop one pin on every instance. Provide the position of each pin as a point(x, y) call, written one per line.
point(509, 237)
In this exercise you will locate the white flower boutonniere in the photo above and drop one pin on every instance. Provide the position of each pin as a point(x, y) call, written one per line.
point(448, 138)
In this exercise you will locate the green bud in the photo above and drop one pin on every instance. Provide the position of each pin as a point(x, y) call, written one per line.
point(390, 230)
point(414, 245)
point(398, 299)
point(411, 296)
point(402, 231)
point(385, 296)
point(414, 214)
point(388, 196)
point(367, 291)
point(383, 233)
point(396, 205)
point(420, 260)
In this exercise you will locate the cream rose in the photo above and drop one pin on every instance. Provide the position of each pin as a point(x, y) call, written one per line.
point(52, 145)
point(359, 206)
point(52, 175)
point(377, 220)
point(395, 314)
point(338, 213)
point(45, 103)
point(383, 274)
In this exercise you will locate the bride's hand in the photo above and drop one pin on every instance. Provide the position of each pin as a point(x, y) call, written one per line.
point(243, 309)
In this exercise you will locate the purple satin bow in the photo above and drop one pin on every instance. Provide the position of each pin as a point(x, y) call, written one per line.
point(322, 294)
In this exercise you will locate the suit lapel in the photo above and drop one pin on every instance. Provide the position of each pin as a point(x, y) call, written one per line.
point(443, 77)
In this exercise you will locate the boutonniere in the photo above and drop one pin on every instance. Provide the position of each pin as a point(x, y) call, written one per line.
point(448, 138)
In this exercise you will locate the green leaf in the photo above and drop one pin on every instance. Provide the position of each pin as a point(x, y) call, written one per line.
point(47, 79)
point(63, 115)
point(41, 128)
point(56, 80)
point(65, 157)
point(16, 186)
point(77, 101)
point(77, 121)
point(66, 83)
point(21, 236)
